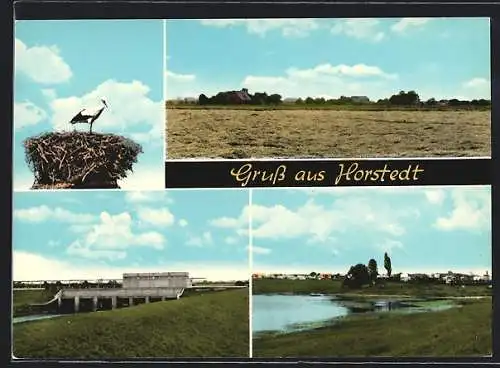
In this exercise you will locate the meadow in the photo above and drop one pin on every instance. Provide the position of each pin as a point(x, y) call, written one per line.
point(465, 331)
point(254, 132)
point(462, 331)
point(204, 325)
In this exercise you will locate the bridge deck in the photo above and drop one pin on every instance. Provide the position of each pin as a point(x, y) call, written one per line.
point(122, 293)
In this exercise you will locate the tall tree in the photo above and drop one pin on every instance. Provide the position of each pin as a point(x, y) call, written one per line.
point(357, 276)
point(372, 270)
point(387, 264)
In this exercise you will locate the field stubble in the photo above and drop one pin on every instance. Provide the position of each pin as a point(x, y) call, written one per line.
point(247, 133)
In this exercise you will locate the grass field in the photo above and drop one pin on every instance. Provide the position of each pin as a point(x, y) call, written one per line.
point(344, 133)
point(464, 331)
point(23, 298)
point(205, 325)
point(269, 286)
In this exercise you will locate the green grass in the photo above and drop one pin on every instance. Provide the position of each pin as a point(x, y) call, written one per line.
point(464, 331)
point(269, 286)
point(23, 298)
point(205, 325)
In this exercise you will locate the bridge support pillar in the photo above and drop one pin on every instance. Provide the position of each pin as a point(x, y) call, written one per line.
point(94, 303)
point(162, 298)
point(77, 304)
point(114, 301)
point(130, 301)
point(59, 302)
point(146, 299)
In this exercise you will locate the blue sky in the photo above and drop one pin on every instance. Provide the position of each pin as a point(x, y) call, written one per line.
point(440, 57)
point(96, 234)
point(64, 66)
point(424, 229)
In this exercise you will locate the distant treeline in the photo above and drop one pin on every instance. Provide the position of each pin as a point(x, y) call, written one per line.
point(111, 284)
point(403, 99)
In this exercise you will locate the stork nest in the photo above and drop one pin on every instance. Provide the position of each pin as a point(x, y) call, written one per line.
point(80, 159)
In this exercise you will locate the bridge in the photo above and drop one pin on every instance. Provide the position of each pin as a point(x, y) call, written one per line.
point(132, 289)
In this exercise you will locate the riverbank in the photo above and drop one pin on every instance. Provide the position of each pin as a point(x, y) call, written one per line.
point(464, 331)
point(393, 289)
point(204, 325)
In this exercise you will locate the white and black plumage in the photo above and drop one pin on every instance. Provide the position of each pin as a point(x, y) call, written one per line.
point(88, 116)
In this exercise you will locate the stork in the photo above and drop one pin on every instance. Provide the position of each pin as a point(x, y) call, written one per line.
point(88, 116)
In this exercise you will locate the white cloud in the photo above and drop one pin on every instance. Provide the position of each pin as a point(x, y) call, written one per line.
point(321, 80)
point(131, 111)
point(318, 222)
point(31, 266)
point(328, 70)
point(45, 213)
point(183, 223)
point(43, 64)
point(153, 196)
point(388, 245)
point(200, 241)
point(362, 29)
point(477, 83)
point(477, 88)
point(49, 93)
point(239, 224)
point(27, 114)
point(260, 250)
point(144, 178)
point(156, 217)
point(325, 80)
point(407, 23)
point(471, 210)
point(288, 27)
point(112, 236)
point(435, 196)
point(230, 240)
point(179, 77)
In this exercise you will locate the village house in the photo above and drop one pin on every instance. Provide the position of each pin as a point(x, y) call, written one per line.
point(239, 97)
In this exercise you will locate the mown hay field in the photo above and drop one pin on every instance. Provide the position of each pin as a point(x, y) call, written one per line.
point(254, 133)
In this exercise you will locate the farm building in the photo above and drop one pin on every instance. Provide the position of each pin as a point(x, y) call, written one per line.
point(239, 97)
point(290, 100)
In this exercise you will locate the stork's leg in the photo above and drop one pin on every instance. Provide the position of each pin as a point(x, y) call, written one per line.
point(91, 127)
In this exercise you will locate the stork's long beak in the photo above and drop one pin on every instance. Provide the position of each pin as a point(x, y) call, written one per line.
point(104, 102)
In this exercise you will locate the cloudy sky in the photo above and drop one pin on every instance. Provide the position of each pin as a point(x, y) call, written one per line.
point(89, 234)
point(424, 229)
point(441, 58)
point(64, 66)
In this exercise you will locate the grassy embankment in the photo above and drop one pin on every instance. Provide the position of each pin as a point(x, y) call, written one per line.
point(23, 298)
point(454, 332)
point(204, 325)
point(268, 286)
